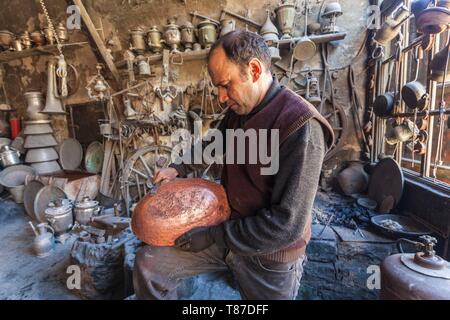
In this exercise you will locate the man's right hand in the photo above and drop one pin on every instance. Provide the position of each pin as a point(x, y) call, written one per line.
point(165, 175)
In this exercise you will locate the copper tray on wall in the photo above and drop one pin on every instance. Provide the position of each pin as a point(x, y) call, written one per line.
point(177, 207)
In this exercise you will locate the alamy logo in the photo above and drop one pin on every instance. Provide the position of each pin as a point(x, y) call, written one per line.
point(74, 280)
point(374, 17)
point(74, 19)
point(242, 147)
point(374, 279)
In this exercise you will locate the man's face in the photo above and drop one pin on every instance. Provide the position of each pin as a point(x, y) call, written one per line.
point(237, 87)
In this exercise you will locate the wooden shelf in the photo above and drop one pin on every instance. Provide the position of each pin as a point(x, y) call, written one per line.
point(174, 57)
point(51, 49)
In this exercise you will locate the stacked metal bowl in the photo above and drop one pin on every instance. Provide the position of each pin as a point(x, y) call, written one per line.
point(39, 142)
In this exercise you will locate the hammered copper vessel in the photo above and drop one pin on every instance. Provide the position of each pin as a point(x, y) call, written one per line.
point(177, 207)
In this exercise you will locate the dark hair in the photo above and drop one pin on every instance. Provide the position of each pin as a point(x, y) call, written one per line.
point(241, 46)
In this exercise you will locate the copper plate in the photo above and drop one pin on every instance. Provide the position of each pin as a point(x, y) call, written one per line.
point(177, 207)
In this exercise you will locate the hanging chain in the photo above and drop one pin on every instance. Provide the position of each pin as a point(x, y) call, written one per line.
point(51, 26)
point(61, 70)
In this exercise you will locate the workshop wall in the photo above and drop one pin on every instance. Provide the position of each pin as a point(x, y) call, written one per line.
point(118, 16)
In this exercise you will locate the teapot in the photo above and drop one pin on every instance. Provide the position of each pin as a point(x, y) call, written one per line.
point(44, 242)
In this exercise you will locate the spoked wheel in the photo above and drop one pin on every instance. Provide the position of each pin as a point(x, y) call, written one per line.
point(139, 170)
point(338, 121)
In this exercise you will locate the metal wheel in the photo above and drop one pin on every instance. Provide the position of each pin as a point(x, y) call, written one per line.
point(139, 171)
point(338, 120)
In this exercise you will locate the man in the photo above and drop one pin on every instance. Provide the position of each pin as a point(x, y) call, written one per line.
point(264, 242)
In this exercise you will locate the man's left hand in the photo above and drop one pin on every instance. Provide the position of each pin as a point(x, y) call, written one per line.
point(196, 240)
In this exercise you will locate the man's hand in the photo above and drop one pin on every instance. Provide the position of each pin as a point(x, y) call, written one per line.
point(165, 175)
point(196, 240)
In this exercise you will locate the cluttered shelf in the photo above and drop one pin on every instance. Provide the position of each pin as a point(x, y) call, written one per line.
point(50, 49)
point(175, 58)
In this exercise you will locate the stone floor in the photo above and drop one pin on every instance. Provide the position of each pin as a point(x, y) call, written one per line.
point(337, 268)
point(23, 276)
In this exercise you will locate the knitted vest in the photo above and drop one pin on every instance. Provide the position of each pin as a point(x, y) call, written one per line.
point(248, 190)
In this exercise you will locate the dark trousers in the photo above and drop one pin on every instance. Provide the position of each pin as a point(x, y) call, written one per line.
point(158, 271)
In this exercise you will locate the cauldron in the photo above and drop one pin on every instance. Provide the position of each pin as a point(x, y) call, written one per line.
point(177, 207)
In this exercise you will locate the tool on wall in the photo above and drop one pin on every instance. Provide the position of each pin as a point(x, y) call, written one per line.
point(98, 88)
point(61, 69)
point(442, 121)
point(246, 20)
point(53, 104)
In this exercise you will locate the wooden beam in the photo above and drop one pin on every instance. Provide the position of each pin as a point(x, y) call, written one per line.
point(98, 41)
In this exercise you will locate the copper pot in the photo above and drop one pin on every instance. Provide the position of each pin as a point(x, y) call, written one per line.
point(137, 40)
point(384, 104)
point(207, 33)
point(177, 207)
point(26, 40)
point(286, 18)
point(154, 40)
point(187, 35)
point(415, 95)
point(38, 38)
point(433, 20)
point(6, 38)
point(172, 35)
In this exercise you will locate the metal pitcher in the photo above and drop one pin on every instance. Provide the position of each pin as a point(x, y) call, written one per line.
point(207, 33)
point(137, 40)
point(44, 242)
point(61, 32)
point(49, 35)
point(38, 38)
point(6, 39)
point(9, 156)
point(26, 40)
point(187, 35)
point(415, 95)
point(35, 104)
point(154, 40)
point(285, 17)
point(172, 35)
point(227, 26)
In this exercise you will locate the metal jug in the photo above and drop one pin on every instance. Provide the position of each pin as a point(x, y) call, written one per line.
point(154, 40)
point(9, 156)
point(415, 95)
point(172, 35)
point(53, 105)
point(227, 26)
point(187, 35)
point(285, 17)
point(137, 40)
point(44, 242)
point(35, 104)
point(207, 33)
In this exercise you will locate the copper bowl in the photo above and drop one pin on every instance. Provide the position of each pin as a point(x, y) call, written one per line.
point(177, 207)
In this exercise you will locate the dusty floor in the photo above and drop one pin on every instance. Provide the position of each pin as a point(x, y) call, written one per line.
point(25, 276)
point(22, 274)
point(332, 262)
